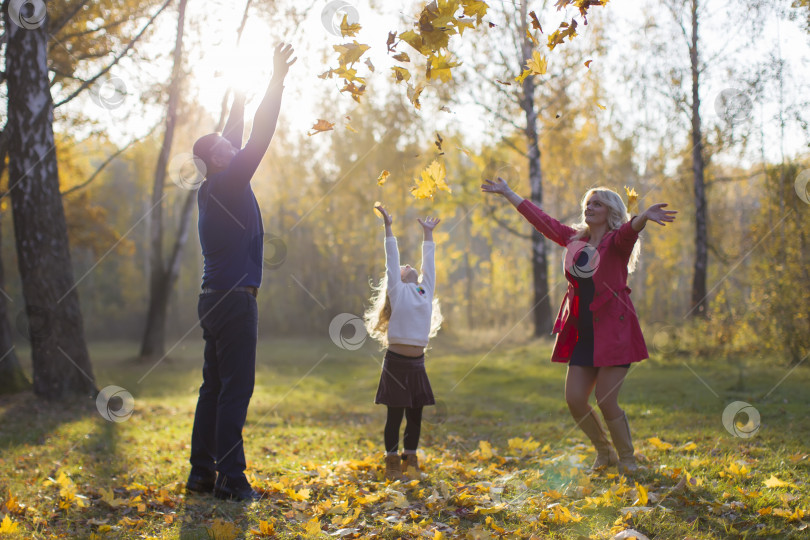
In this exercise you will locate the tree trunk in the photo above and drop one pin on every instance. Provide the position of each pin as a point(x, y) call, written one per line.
point(542, 303)
point(699, 300)
point(61, 364)
point(163, 276)
point(12, 377)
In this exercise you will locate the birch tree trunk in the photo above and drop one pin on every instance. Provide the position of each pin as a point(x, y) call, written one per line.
point(61, 363)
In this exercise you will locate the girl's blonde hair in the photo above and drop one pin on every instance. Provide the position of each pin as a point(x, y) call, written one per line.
point(617, 216)
point(378, 313)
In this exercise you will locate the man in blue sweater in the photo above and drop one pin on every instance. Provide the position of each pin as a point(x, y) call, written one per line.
point(231, 232)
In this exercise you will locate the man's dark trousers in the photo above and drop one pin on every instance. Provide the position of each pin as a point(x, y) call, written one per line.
point(230, 329)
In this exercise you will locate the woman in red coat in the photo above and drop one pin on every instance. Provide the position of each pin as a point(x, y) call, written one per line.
point(597, 329)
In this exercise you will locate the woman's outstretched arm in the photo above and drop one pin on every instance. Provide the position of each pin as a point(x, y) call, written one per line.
point(545, 224)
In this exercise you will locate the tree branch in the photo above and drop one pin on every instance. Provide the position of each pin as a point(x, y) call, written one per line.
point(105, 163)
point(129, 46)
point(56, 25)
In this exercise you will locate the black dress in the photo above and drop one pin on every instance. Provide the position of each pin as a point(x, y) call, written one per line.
point(582, 354)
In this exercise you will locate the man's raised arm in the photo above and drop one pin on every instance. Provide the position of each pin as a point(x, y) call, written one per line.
point(264, 123)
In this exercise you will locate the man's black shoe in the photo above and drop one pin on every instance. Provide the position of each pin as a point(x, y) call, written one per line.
point(199, 484)
point(239, 490)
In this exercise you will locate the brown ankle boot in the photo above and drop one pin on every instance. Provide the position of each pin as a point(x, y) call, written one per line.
point(410, 465)
point(620, 433)
point(605, 454)
point(393, 467)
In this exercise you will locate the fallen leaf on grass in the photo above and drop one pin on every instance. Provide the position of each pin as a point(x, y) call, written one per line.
point(658, 443)
point(774, 482)
point(8, 526)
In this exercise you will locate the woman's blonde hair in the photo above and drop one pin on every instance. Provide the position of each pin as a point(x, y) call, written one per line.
point(617, 216)
point(378, 313)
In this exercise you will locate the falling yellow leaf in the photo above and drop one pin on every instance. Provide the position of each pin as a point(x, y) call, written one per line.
point(401, 74)
point(402, 57)
point(439, 66)
point(382, 178)
point(632, 207)
point(8, 526)
point(475, 8)
point(537, 64)
point(413, 94)
point(588, 63)
point(532, 38)
point(774, 482)
point(602, 107)
point(349, 53)
point(346, 29)
point(432, 178)
point(320, 126)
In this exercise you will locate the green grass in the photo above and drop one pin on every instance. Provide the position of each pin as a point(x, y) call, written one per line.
point(313, 425)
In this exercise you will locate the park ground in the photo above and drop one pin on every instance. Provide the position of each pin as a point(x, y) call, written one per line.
point(501, 456)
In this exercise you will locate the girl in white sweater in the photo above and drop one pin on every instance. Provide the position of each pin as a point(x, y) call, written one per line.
point(403, 316)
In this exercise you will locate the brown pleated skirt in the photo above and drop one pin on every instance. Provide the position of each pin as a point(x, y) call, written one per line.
point(404, 382)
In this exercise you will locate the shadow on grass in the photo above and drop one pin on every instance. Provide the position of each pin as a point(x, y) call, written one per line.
point(29, 420)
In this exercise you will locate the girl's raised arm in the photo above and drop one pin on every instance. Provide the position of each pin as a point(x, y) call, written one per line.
point(391, 250)
point(428, 250)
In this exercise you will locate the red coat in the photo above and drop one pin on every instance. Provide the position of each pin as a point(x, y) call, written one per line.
point(617, 333)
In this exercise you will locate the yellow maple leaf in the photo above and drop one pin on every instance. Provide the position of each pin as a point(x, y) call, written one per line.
point(642, 495)
point(401, 74)
point(532, 38)
point(347, 29)
point(632, 207)
point(320, 126)
point(439, 66)
point(349, 53)
point(413, 94)
point(475, 8)
point(485, 449)
point(402, 57)
point(490, 510)
point(313, 527)
point(655, 441)
point(774, 482)
point(13, 505)
point(223, 530)
point(537, 63)
point(8, 526)
point(108, 497)
point(382, 178)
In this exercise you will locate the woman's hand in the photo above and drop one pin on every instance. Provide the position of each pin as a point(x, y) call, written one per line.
point(429, 223)
point(499, 186)
point(385, 215)
point(654, 213)
point(657, 214)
